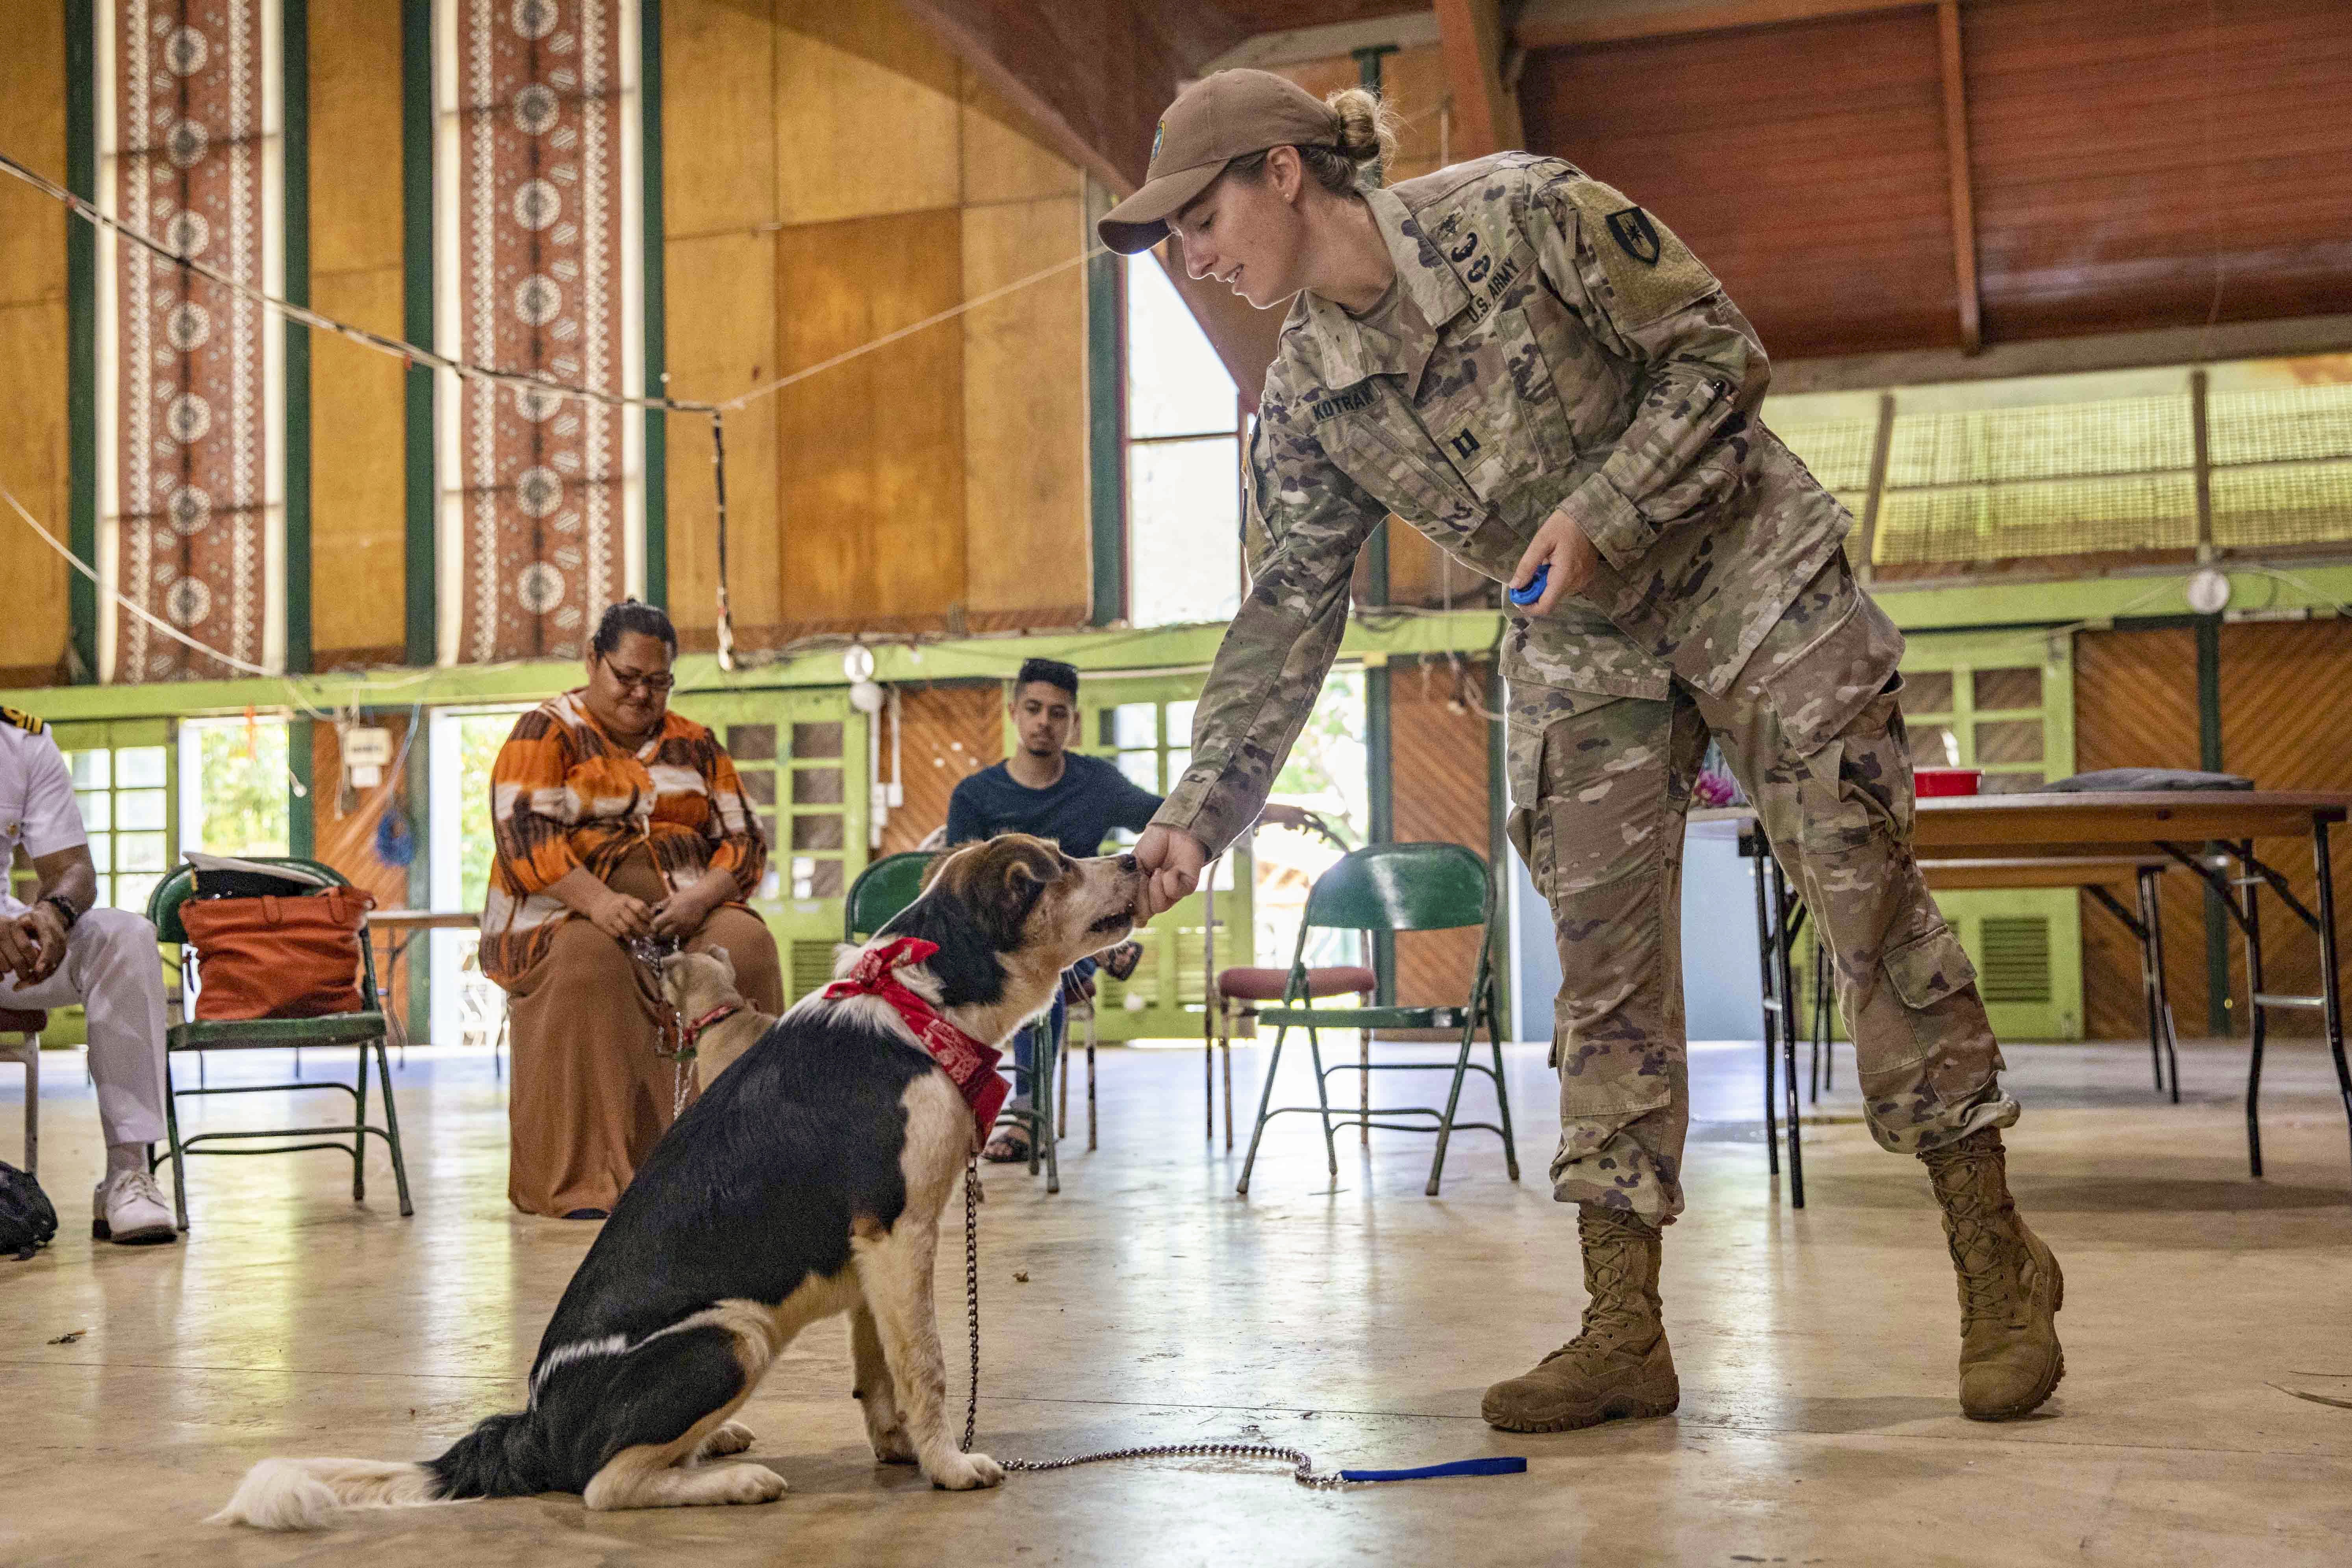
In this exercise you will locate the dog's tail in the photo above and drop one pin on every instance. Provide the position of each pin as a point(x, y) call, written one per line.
point(307, 1494)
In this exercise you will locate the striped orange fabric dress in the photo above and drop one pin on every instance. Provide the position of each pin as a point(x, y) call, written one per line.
point(564, 794)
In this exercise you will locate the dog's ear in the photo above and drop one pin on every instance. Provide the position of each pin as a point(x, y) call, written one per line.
point(726, 962)
point(1009, 881)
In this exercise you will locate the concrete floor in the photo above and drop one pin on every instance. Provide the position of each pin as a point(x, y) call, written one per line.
point(1818, 1425)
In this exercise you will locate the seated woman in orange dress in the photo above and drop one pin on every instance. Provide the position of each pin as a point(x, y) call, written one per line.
point(616, 819)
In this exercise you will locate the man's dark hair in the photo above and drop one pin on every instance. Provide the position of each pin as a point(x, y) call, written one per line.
point(629, 615)
point(1052, 672)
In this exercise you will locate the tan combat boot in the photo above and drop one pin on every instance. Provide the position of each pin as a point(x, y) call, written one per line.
point(1620, 1365)
point(2010, 1286)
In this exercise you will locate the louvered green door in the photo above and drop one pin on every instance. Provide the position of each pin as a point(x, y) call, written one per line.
point(802, 757)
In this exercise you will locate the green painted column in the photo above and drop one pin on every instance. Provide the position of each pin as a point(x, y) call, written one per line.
point(1105, 422)
point(657, 327)
point(81, 338)
point(302, 790)
point(296, 143)
point(1380, 780)
point(2221, 1019)
point(416, 319)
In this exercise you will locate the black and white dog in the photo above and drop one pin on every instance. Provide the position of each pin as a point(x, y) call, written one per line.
point(807, 1181)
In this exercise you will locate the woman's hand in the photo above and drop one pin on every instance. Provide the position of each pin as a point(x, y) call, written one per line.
point(623, 919)
point(1171, 862)
point(681, 914)
point(1573, 561)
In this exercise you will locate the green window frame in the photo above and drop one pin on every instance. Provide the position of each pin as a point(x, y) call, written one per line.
point(126, 780)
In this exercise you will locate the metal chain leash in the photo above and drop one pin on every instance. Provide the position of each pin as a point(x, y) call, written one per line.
point(1302, 1463)
point(650, 950)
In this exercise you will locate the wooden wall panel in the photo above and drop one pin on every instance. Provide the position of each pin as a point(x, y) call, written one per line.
point(2286, 726)
point(867, 114)
point(871, 452)
point(2148, 163)
point(35, 456)
point(1024, 419)
point(1438, 769)
point(721, 294)
point(358, 476)
point(952, 733)
point(2136, 706)
point(1806, 165)
point(719, 97)
point(1003, 158)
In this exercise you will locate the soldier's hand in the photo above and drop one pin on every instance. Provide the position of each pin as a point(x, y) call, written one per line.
point(1573, 561)
point(1170, 861)
point(20, 950)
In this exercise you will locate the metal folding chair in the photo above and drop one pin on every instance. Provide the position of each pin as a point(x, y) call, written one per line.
point(365, 1029)
point(1395, 887)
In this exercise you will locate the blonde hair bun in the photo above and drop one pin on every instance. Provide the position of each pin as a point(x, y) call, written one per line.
point(1368, 126)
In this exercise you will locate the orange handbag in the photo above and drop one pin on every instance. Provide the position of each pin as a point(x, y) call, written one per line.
point(276, 957)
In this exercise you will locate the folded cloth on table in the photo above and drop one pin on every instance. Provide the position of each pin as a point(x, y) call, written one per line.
point(2122, 780)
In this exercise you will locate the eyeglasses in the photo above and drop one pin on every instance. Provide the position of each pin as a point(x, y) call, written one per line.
point(655, 685)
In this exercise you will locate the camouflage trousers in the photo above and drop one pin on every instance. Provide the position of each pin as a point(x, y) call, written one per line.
point(1814, 729)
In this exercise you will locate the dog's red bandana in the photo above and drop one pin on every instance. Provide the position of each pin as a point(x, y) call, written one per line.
point(968, 1062)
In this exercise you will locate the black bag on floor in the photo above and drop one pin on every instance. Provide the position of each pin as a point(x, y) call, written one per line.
point(26, 1219)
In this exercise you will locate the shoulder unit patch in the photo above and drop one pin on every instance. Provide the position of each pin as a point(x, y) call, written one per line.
point(1650, 273)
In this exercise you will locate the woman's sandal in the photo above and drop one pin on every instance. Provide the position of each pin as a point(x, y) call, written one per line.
point(1010, 1146)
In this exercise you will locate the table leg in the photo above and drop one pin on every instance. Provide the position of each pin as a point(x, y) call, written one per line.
point(2257, 1015)
point(2331, 987)
point(1784, 942)
point(2159, 996)
point(1764, 942)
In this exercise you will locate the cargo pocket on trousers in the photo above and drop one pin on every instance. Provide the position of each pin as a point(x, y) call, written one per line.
point(1949, 1055)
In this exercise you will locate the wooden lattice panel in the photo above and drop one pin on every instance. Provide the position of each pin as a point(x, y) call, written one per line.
point(1438, 773)
point(2284, 725)
point(2136, 706)
point(952, 733)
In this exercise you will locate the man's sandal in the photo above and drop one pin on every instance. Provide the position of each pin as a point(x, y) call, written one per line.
point(1010, 1146)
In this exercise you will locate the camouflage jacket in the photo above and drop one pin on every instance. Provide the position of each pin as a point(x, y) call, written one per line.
point(1553, 345)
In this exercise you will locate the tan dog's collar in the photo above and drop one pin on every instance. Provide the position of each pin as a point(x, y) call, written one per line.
point(718, 1015)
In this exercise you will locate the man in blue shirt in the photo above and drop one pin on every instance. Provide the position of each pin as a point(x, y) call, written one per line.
point(1045, 789)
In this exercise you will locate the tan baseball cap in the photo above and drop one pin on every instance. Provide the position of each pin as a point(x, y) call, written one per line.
point(1216, 120)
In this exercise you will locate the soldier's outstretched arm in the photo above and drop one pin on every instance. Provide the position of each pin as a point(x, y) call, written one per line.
point(1313, 519)
point(1700, 369)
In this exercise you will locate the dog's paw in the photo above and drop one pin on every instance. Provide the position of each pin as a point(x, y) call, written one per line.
point(967, 1472)
point(730, 1437)
point(892, 1447)
point(748, 1483)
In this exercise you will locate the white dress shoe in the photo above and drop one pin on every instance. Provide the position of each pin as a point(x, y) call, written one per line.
point(128, 1209)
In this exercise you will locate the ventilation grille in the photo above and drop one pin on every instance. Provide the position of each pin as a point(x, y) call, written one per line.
point(2013, 959)
point(811, 966)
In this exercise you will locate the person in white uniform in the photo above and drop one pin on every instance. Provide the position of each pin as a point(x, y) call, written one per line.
point(60, 951)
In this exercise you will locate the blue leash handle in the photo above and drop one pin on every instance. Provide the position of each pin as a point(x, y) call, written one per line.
point(1496, 1467)
point(1528, 595)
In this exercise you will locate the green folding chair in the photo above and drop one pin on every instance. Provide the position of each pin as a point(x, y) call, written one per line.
point(365, 1028)
point(1393, 888)
point(881, 890)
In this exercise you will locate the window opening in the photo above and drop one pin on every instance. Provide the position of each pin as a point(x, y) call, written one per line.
point(1184, 461)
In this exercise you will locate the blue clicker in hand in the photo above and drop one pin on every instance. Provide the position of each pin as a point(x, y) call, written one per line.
point(1528, 595)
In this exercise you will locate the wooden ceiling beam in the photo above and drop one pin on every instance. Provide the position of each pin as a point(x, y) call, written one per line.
point(1956, 147)
point(1486, 111)
point(1557, 24)
point(1093, 77)
point(1094, 80)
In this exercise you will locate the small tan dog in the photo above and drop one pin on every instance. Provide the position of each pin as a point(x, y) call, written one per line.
point(706, 989)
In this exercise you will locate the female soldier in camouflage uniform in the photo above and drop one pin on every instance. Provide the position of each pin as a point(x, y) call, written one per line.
point(1532, 369)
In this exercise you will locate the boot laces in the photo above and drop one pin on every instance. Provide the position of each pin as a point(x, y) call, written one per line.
point(1977, 1236)
point(1616, 1274)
